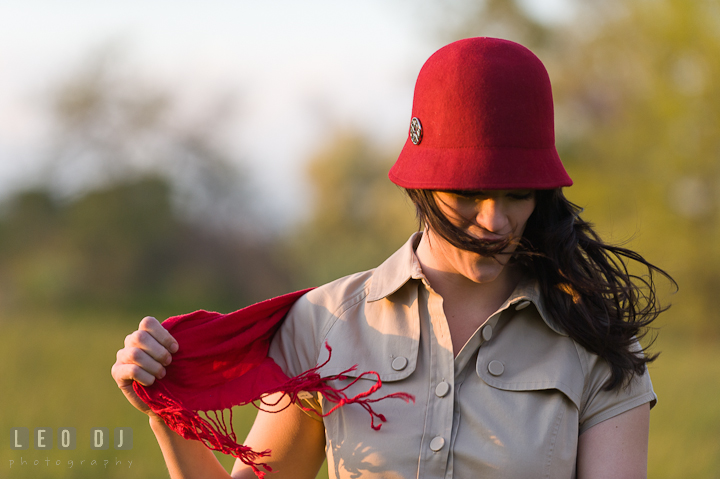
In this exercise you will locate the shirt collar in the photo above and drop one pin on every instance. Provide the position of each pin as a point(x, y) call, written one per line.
point(404, 266)
point(395, 271)
point(527, 293)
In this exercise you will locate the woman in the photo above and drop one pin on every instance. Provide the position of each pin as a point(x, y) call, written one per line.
point(509, 321)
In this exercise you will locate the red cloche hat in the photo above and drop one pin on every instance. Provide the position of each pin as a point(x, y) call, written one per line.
point(482, 118)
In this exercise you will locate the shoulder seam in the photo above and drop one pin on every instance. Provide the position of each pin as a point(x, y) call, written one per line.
point(342, 309)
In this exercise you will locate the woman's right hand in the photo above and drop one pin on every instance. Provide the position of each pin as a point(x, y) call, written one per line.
point(146, 353)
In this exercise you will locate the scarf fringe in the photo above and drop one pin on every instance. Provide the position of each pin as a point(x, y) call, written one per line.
point(216, 429)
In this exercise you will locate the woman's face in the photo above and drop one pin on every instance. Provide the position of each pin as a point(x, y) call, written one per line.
point(490, 215)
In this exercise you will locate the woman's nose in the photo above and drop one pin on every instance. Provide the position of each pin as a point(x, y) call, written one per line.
point(492, 217)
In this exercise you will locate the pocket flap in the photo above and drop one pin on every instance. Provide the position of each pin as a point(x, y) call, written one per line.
point(382, 336)
point(527, 355)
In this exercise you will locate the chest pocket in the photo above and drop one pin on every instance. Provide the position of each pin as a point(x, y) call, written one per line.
point(528, 356)
point(523, 400)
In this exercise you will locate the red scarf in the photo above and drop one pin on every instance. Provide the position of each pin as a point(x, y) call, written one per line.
point(222, 362)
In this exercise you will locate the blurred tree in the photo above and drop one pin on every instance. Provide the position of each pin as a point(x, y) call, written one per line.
point(121, 247)
point(111, 125)
point(137, 211)
point(641, 117)
point(358, 216)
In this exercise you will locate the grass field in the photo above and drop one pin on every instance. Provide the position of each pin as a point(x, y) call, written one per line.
point(56, 373)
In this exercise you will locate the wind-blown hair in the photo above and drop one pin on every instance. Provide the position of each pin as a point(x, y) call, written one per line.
point(586, 284)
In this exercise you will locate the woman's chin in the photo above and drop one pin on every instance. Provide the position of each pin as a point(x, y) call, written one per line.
point(485, 274)
point(487, 270)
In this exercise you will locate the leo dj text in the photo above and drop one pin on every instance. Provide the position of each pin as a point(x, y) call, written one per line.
point(66, 438)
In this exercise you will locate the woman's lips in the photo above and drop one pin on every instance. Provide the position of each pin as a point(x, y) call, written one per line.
point(494, 239)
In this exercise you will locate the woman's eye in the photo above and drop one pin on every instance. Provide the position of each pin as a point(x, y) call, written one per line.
point(521, 196)
point(468, 195)
point(475, 195)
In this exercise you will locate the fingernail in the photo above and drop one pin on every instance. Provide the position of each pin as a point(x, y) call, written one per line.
point(174, 347)
point(162, 374)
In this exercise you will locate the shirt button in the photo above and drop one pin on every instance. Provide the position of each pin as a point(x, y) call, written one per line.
point(399, 363)
point(496, 368)
point(522, 305)
point(487, 332)
point(437, 443)
point(442, 389)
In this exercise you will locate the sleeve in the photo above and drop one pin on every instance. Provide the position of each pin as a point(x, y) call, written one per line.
point(296, 345)
point(599, 405)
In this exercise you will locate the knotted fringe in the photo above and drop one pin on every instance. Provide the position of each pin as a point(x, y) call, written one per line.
point(217, 433)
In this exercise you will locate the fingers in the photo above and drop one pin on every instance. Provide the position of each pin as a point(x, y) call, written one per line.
point(140, 358)
point(146, 353)
point(157, 331)
point(125, 373)
point(154, 340)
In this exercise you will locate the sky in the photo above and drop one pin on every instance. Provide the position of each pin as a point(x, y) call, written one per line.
point(300, 71)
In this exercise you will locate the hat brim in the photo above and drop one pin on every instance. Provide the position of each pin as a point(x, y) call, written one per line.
point(477, 168)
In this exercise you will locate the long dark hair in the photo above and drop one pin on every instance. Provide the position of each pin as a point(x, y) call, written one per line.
point(586, 284)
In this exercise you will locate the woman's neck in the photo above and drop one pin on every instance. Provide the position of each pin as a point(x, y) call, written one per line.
point(467, 304)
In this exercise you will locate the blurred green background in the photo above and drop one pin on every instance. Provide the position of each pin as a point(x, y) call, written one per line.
point(638, 129)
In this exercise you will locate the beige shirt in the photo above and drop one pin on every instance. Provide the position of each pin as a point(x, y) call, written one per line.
point(510, 405)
